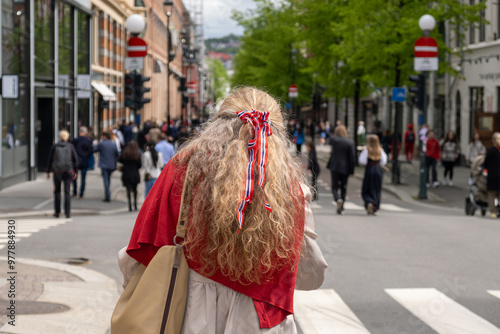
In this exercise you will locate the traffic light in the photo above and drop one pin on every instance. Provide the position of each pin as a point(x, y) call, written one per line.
point(418, 90)
point(139, 99)
point(130, 90)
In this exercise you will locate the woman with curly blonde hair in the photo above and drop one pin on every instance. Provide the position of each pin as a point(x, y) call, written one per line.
point(250, 239)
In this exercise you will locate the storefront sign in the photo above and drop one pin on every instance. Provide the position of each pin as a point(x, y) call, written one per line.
point(83, 86)
point(490, 76)
point(10, 86)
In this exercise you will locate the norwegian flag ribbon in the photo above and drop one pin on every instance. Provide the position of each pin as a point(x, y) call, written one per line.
point(257, 150)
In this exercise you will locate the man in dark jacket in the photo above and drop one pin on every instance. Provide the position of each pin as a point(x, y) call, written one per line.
point(108, 154)
point(341, 164)
point(62, 162)
point(83, 147)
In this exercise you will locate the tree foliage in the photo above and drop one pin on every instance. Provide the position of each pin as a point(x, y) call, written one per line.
point(266, 58)
point(220, 77)
point(344, 41)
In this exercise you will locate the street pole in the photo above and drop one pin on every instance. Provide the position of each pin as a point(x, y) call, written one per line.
point(395, 162)
point(423, 168)
point(168, 69)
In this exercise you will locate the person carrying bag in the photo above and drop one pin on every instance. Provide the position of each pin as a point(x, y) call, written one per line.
point(154, 300)
point(249, 240)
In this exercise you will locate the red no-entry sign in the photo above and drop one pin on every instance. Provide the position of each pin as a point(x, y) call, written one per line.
point(425, 47)
point(137, 47)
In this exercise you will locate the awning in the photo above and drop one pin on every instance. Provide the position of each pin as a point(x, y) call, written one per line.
point(101, 88)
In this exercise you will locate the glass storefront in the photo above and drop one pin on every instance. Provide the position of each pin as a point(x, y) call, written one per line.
point(14, 118)
point(61, 68)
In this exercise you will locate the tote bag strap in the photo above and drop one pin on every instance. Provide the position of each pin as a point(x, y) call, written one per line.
point(183, 211)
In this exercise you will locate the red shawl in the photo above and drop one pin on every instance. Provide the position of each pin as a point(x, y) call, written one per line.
point(155, 227)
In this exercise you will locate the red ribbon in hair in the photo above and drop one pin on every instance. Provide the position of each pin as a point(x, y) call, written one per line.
point(257, 149)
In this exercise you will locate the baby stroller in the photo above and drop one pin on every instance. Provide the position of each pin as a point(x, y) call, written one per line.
point(477, 195)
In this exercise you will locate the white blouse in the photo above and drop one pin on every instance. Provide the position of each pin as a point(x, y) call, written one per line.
point(363, 157)
point(214, 308)
point(147, 163)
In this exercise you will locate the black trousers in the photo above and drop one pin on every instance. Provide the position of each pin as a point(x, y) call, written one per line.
point(339, 180)
point(314, 185)
point(65, 178)
point(448, 168)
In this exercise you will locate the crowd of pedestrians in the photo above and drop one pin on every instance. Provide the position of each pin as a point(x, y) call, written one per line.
point(124, 148)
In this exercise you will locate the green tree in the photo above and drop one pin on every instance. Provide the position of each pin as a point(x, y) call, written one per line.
point(220, 78)
point(266, 58)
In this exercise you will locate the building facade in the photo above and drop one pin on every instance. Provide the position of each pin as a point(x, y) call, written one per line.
point(45, 70)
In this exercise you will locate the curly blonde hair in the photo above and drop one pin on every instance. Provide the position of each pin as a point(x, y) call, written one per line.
point(218, 158)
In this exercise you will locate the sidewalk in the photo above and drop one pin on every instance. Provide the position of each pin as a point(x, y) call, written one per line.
point(35, 198)
point(409, 188)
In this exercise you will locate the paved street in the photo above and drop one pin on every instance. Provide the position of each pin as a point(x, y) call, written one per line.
point(414, 268)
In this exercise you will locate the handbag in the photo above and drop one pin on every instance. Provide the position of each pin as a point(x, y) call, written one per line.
point(154, 301)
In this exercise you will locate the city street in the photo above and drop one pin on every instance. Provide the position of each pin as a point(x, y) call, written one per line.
point(413, 268)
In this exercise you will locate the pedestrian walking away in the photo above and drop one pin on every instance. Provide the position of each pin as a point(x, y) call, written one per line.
point(450, 152)
point(152, 161)
point(409, 143)
point(373, 157)
point(341, 164)
point(166, 149)
point(298, 138)
point(474, 149)
point(492, 167)
point(83, 148)
point(432, 155)
point(313, 166)
point(244, 252)
point(131, 160)
point(108, 154)
point(62, 162)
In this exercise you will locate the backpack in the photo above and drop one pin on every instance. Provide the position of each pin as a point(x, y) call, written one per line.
point(61, 160)
point(410, 139)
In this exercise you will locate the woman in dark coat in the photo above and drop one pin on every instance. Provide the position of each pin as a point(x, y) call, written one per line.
point(314, 168)
point(341, 164)
point(131, 160)
point(373, 157)
point(492, 165)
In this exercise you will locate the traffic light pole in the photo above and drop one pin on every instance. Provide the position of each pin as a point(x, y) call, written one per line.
point(423, 166)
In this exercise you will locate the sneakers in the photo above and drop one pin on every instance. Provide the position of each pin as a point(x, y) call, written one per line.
point(340, 206)
point(435, 184)
point(450, 183)
point(369, 209)
point(427, 185)
point(493, 215)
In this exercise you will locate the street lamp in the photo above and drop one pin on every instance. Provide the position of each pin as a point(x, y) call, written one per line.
point(167, 7)
point(426, 23)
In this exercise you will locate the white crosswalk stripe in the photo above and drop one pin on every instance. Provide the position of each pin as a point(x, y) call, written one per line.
point(495, 293)
point(440, 312)
point(324, 311)
point(25, 228)
point(351, 206)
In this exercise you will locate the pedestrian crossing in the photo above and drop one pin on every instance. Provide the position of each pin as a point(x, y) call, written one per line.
point(25, 227)
point(351, 206)
point(324, 311)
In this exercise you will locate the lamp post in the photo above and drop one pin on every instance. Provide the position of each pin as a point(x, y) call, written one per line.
point(167, 7)
point(426, 23)
point(135, 24)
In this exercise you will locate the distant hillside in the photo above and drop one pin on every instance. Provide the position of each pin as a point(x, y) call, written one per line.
point(228, 44)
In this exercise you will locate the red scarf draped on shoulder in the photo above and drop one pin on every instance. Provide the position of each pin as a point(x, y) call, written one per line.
point(155, 227)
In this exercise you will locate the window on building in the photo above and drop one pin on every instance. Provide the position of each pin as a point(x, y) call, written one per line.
point(83, 43)
point(44, 41)
point(472, 31)
point(482, 25)
point(15, 37)
point(477, 99)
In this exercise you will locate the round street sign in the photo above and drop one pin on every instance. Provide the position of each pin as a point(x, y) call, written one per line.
point(137, 47)
point(425, 47)
point(293, 91)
